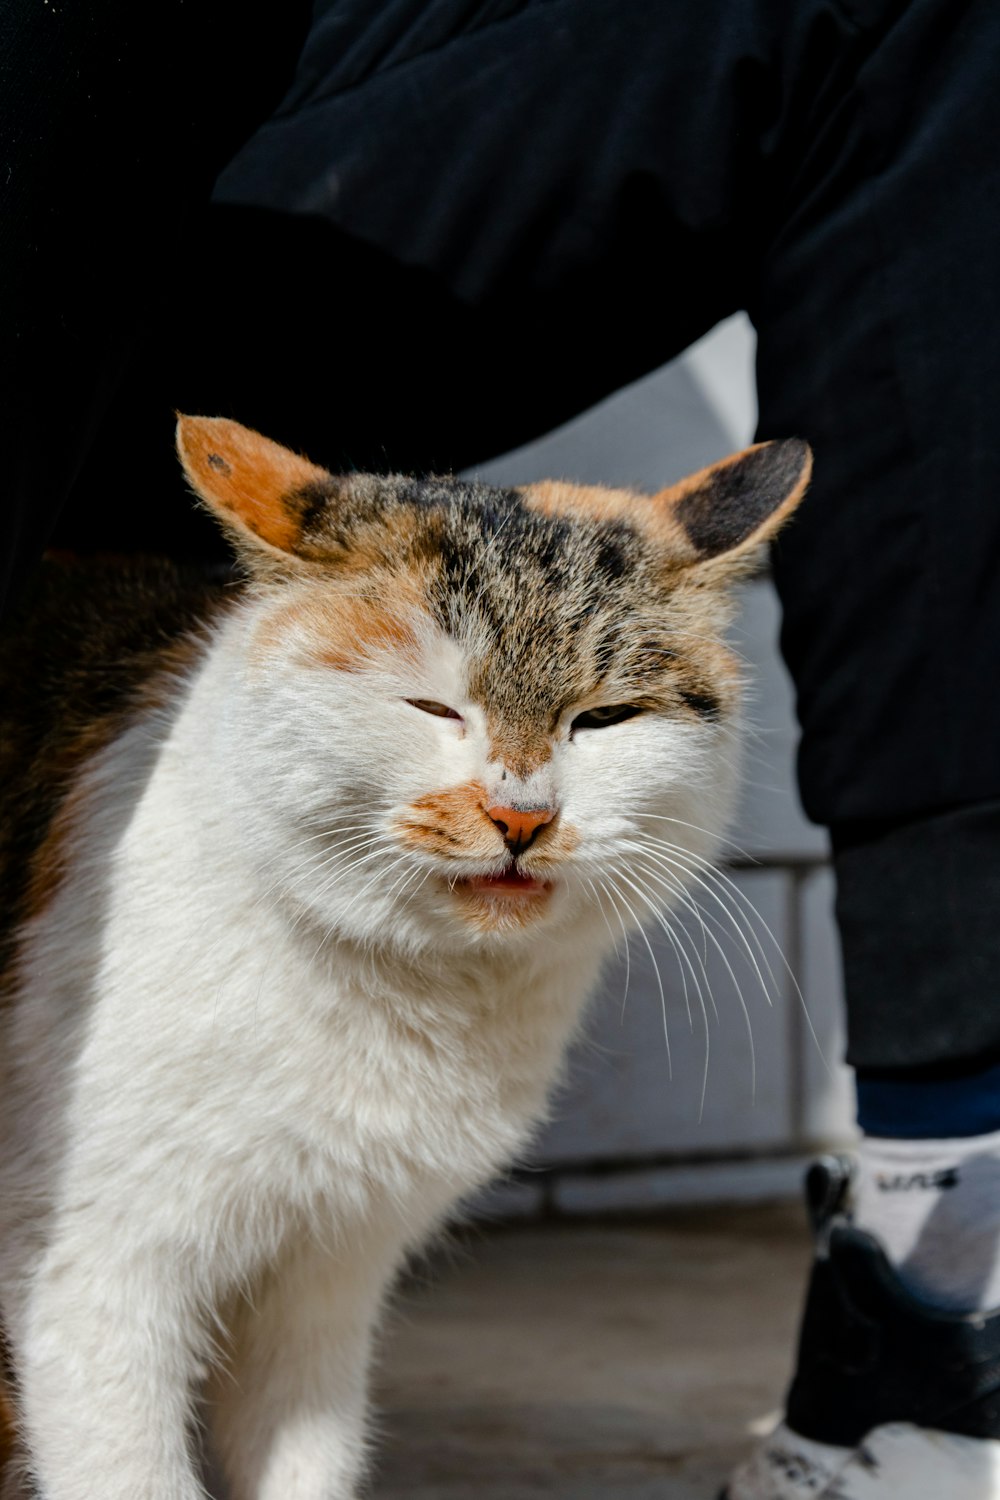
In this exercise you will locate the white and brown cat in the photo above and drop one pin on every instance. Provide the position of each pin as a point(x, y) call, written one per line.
point(301, 896)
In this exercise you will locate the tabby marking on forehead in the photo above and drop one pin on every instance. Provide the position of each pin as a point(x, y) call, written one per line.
point(552, 593)
point(537, 602)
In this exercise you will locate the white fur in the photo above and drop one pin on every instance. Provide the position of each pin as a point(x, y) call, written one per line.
point(247, 1072)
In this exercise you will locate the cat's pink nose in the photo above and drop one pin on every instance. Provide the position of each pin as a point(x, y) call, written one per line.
point(519, 824)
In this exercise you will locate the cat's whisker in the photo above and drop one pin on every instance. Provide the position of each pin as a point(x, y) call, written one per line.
point(709, 878)
point(656, 972)
point(281, 857)
point(412, 880)
point(676, 939)
point(721, 953)
point(685, 896)
point(499, 531)
point(379, 874)
point(600, 906)
point(338, 865)
point(681, 896)
point(316, 897)
point(417, 888)
point(677, 895)
point(327, 832)
point(283, 854)
point(740, 925)
point(678, 936)
point(660, 918)
point(687, 1002)
point(404, 879)
point(625, 936)
point(331, 930)
point(719, 876)
point(738, 990)
point(696, 828)
point(342, 861)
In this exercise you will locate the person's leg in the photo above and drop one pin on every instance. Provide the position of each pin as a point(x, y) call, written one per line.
point(877, 318)
point(115, 119)
point(891, 578)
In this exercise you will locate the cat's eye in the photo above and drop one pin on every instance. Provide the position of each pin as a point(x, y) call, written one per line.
point(600, 718)
point(439, 710)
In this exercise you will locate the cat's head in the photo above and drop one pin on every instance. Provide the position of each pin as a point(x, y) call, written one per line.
point(469, 714)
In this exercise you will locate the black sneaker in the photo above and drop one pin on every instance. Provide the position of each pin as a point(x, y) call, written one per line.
point(892, 1399)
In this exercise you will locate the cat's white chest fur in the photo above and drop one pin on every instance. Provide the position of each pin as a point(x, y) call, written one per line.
point(235, 1070)
point(235, 1107)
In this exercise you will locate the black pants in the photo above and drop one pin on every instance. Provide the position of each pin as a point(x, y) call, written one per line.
point(467, 221)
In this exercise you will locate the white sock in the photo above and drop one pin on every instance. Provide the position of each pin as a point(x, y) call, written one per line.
point(935, 1208)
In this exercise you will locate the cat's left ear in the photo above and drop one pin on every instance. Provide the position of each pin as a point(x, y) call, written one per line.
point(263, 494)
point(723, 514)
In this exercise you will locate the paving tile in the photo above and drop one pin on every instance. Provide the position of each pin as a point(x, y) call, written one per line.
point(627, 1363)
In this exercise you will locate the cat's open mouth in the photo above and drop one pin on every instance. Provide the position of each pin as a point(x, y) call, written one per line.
point(510, 882)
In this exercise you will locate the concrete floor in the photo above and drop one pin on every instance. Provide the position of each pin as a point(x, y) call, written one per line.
point(633, 1361)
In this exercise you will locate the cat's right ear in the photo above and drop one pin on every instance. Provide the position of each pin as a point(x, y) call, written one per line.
point(263, 494)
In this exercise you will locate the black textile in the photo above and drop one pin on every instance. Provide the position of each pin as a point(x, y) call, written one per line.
point(467, 221)
point(917, 908)
point(115, 119)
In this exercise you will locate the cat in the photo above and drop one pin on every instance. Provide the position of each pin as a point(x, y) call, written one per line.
point(303, 892)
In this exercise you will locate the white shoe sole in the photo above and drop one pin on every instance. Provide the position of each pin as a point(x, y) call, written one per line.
point(895, 1462)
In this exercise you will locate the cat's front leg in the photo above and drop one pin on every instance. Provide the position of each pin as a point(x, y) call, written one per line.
point(105, 1364)
point(288, 1411)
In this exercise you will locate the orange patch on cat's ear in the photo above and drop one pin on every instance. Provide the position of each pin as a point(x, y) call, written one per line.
point(253, 484)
